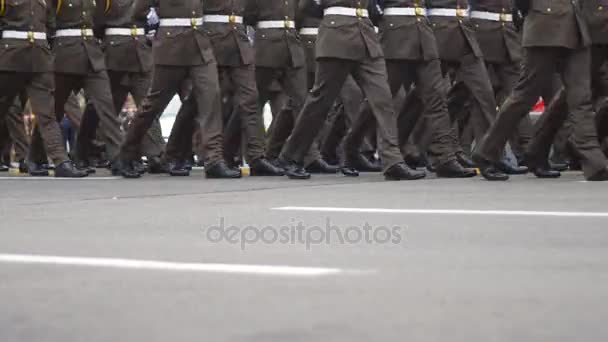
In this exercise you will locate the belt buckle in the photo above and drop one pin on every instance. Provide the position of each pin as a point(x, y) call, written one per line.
point(503, 17)
point(134, 31)
point(232, 19)
point(30, 36)
point(359, 12)
point(83, 32)
point(193, 22)
point(419, 11)
point(286, 23)
point(460, 12)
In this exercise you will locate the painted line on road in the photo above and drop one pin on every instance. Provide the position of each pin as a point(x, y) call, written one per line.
point(268, 270)
point(447, 211)
point(51, 178)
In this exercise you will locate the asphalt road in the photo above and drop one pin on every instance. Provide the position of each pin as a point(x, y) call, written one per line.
point(452, 260)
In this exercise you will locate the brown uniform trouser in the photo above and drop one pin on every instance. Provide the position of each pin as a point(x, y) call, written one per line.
point(121, 84)
point(433, 93)
point(540, 63)
point(349, 106)
point(503, 77)
point(96, 86)
point(205, 95)
point(39, 88)
point(470, 72)
point(14, 134)
point(599, 87)
point(244, 116)
point(293, 82)
point(370, 74)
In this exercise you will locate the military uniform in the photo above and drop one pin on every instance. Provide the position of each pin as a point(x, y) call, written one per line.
point(500, 43)
point(459, 50)
point(26, 64)
point(182, 50)
point(555, 39)
point(412, 56)
point(128, 57)
point(347, 44)
point(279, 55)
point(15, 127)
point(80, 64)
point(235, 55)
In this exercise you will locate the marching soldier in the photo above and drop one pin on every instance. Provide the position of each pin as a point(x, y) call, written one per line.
point(500, 43)
point(182, 50)
point(412, 57)
point(279, 55)
point(128, 55)
point(26, 64)
point(346, 45)
point(235, 57)
point(556, 39)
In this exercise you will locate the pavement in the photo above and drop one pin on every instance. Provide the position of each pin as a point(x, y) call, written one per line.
point(331, 259)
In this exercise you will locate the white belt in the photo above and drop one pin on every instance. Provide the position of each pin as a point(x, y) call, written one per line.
point(181, 22)
point(348, 11)
point(309, 31)
point(405, 11)
point(74, 33)
point(116, 31)
point(504, 17)
point(227, 19)
point(271, 24)
point(23, 35)
point(448, 12)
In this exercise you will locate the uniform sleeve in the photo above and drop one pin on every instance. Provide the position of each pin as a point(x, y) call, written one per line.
point(311, 8)
point(251, 13)
point(51, 23)
point(99, 20)
point(375, 9)
point(523, 6)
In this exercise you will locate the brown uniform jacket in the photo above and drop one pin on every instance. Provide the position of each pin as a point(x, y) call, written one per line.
point(22, 55)
point(407, 37)
point(77, 55)
point(127, 53)
point(455, 35)
point(499, 41)
point(596, 13)
point(230, 41)
point(276, 48)
point(555, 23)
point(346, 37)
point(181, 46)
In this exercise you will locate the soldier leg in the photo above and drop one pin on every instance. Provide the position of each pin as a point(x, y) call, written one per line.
point(165, 84)
point(577, 81)
point(16, 127)
point(206, 90)
point(40, 93)
point(508, 74)
point(179, 146)
point(433, 91)
point(246, 108)
point(538, 68)
point(371, 77)
point(153, 144)
point(331, 75)
point(97, 88)
point(472, 71)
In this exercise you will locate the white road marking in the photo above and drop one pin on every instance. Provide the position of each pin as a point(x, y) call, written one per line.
point(447, 211)
point(290, 271)
point(51, 178)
